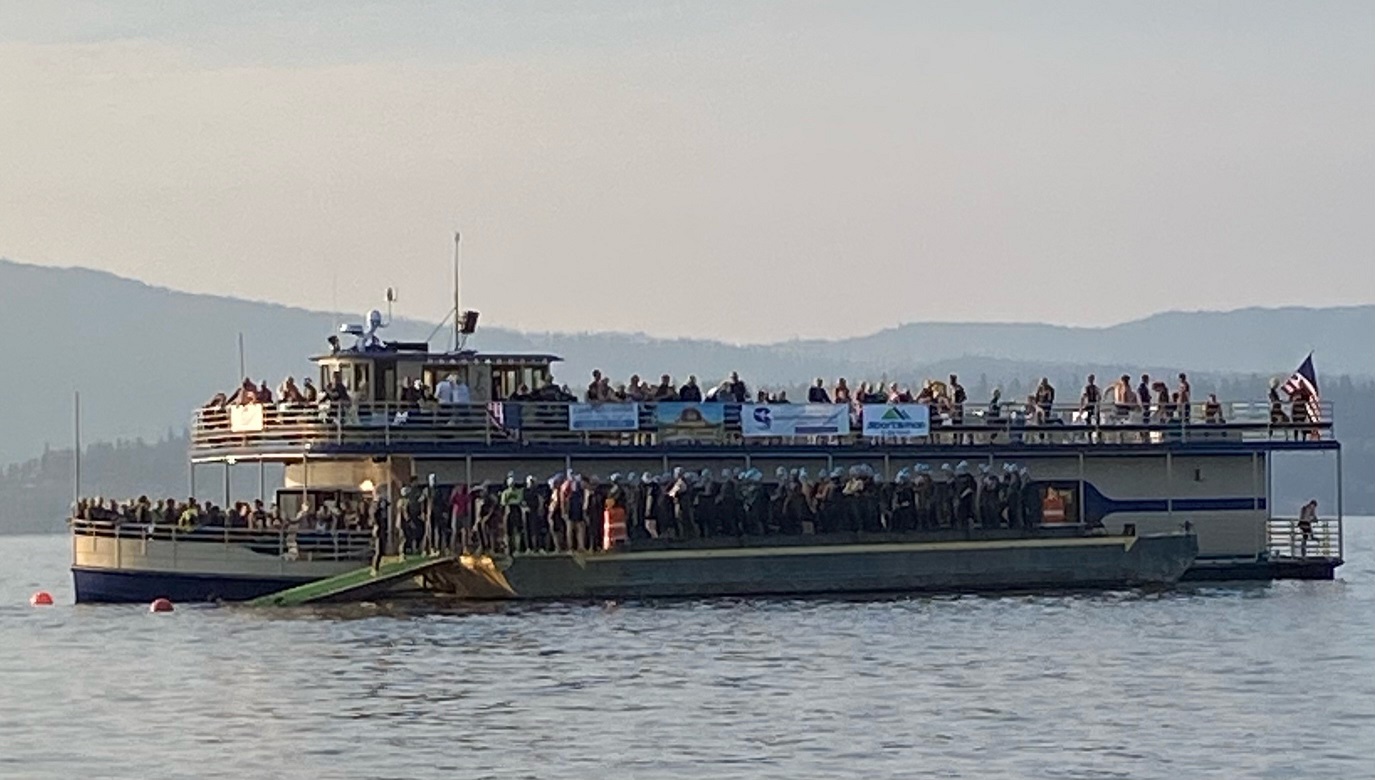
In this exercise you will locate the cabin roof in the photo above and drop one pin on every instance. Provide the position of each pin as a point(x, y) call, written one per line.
point(464, 356)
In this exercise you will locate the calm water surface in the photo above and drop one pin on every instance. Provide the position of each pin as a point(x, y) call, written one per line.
point(1259, 681)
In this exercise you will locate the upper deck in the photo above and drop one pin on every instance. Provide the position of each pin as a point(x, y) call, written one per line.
point(287, 432)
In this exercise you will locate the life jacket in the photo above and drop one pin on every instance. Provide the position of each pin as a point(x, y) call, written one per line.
point(615, 532)
point(1053, 508)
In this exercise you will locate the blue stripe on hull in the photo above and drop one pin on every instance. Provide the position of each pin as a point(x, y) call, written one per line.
point(1098, 506)
point(122, 587)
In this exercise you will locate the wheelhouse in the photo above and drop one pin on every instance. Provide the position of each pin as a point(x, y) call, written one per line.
point(379, 376)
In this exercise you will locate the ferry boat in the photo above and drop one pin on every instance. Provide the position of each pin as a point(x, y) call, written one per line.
point(1118, 502)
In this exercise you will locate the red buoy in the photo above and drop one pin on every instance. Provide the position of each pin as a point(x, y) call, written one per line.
point(41, 599)
point(160, 605)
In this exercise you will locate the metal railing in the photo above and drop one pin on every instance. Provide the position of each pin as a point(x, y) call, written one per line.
point(1290, 538)
point(285, 542)
point(378, 426)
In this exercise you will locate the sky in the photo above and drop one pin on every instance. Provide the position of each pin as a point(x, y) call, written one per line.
point(747, 171)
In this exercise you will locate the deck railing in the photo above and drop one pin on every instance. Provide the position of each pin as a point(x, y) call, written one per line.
point(1288, 538)
point(284, 542)
point(295, 428)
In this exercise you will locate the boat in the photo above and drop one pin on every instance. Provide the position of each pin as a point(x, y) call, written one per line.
point(1115, 501)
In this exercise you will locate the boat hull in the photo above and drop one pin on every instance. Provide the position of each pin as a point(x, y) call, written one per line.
point(133, 565)
point(1091, 562)
point(122, 586)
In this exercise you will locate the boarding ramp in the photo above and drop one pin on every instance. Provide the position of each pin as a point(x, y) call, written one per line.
point(356, 585)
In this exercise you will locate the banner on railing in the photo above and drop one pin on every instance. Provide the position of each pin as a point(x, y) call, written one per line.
point(603, 417)
point(246, 418)
point(684, 421)
point(882, 420)
point(794, 419)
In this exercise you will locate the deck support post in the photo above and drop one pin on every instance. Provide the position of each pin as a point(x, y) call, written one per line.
point(1169, 483)
point(262, 480)
point(1341, 508)
point(1080, 502)
point(228, 464)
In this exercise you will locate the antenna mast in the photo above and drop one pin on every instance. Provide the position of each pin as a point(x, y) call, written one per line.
point(458, 267)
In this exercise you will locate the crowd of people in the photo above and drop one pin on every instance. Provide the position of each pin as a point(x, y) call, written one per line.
point(571, 512)
point(187, 515)
point(1146, 401)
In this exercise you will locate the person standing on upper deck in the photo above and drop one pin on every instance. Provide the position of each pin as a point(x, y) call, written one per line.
point(1143, 397)
point(957, 399)
point(1164, 409)
point(1124, 398)
point(444, 390)
point(463, 395)
point(736, 389)
point(1212, 410)
point(690, 392)
point(816, 394)
point(336, 392)
point(842, 392)
point(595, 388)
point(1277, 414)
point(289, 393)
point(664, 391)
point(1045, 401)
point(1089, 400)
point(1185, 397)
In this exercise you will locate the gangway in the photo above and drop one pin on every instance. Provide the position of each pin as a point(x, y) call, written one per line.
point(355, 585)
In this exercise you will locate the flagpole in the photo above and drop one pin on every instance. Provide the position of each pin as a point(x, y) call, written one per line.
point(458, 269)
point(76, 448)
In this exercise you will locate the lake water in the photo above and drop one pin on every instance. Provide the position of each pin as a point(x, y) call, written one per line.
point(1246, 681)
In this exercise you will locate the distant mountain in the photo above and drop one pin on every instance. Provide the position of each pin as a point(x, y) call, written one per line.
point(1242, 341)
point(143, 357)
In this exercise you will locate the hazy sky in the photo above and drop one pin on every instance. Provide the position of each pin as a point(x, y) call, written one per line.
point(741, 170)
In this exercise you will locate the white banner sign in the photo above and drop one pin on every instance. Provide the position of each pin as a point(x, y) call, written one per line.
point(882, 420)
point(246, 418)
point(794, 419)
point(603, 417)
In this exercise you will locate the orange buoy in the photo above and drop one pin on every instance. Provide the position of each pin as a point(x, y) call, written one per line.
point(41, 599)
point(160, 605)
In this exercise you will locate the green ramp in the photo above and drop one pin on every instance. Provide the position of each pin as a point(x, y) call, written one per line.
point(354, 585)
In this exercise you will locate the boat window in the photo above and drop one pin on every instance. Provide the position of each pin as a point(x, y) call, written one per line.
point(1060, 502)
point(289, 501)
point(360, 383)
point(387, 381)
point(505, 380)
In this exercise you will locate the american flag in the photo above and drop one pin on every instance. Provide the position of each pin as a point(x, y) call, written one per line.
point(505, 420)
point(1305, 381)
